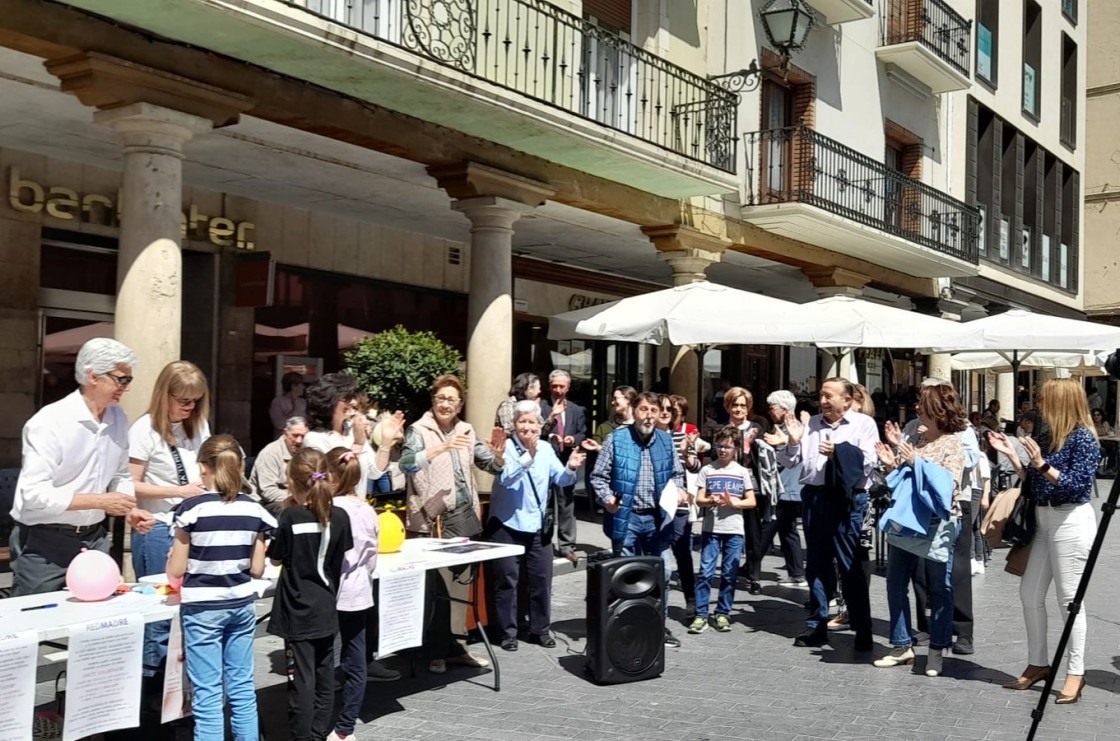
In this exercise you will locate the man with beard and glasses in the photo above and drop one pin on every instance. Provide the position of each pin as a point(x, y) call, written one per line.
point(636, 463)
point(837, 451)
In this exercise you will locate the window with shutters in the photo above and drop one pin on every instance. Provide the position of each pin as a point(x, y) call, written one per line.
point(612, 14)
point(903, 155)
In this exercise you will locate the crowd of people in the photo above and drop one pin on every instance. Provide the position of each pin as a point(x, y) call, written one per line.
point(194, 515)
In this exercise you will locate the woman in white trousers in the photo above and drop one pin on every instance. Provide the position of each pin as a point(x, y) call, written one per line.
point(1064, 456)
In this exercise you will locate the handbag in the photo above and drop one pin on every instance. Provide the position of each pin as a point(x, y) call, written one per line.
point(1017, 560)
point(1019, 528)
point(461, 522)
point(935, 545)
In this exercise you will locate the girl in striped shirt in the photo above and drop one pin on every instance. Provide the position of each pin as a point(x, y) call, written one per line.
point(218, 548)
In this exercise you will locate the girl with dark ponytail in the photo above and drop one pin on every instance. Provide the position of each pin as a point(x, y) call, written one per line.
point(218, 548)
point(311, 541)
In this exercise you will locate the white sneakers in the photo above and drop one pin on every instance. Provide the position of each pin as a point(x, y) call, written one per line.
point(977, 567)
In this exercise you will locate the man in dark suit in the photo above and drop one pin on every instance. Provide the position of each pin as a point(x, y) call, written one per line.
point(565, 426)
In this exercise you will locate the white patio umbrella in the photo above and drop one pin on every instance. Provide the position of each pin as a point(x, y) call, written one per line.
point(1017, 334)
point(1083, 363)
point(888, 326)
point(704, 314)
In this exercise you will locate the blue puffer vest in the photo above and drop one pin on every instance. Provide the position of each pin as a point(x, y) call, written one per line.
point(624, 474)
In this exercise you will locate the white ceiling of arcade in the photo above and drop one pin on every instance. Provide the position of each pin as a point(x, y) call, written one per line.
point(264, 161)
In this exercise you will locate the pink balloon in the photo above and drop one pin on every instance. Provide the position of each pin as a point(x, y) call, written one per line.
point(92, 576)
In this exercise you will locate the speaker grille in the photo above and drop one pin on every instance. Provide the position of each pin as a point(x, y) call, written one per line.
point(634, 635)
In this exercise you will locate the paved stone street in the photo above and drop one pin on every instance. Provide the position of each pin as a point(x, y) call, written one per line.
point(752, 683)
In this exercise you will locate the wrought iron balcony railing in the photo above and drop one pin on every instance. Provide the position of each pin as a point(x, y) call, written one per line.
point(797, 164)
point(934, 25)
point(561, 60)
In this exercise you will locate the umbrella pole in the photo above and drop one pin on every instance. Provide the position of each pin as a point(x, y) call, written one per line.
point(701, 351)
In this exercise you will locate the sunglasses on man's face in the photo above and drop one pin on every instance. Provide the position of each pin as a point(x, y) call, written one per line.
point(121, 380)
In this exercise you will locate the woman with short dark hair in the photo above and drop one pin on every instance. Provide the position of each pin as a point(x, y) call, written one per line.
point(941, 413)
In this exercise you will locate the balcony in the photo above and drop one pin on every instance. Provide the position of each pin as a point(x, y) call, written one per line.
point(843, 11)
point(929, 41)
point(520, 73)
point(805, 186)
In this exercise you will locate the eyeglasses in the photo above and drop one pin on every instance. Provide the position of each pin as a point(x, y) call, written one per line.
point(449, 401)
point(121, 381)
point(725, 447)
point(186, 403)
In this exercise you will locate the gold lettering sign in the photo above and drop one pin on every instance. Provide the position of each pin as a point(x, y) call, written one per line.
point(65, 204)
point(580, 301)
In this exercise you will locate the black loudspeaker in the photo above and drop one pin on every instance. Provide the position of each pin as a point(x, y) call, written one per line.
point(626, 619)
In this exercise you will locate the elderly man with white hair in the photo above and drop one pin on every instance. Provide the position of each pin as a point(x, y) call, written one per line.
point(74, 472)
point(520, 513)
point(784, 523)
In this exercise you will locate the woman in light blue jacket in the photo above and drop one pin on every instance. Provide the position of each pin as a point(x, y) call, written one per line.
point(520, 513)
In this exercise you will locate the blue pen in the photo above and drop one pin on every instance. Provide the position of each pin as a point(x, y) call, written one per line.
point(38, 607)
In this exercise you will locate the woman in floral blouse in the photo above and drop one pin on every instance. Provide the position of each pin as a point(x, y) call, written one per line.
point(941, 414)
point(1063, 466)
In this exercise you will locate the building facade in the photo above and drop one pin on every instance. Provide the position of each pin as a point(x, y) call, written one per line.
point(255, 185)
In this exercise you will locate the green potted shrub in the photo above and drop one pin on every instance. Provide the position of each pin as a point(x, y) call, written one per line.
point(396, 368)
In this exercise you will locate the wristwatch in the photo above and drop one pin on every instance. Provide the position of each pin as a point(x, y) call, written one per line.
point(1043, 468)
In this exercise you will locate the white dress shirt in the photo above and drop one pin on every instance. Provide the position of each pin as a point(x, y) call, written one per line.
point(66, 451)
point(854, 427)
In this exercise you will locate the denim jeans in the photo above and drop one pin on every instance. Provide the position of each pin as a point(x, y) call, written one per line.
point(645, 537)
point(219, 651)
point(149, 556)
point(901, 565)
point(352, 631)
point(729, 549)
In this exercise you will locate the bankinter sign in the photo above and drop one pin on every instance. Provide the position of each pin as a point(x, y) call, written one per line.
point(29, 197)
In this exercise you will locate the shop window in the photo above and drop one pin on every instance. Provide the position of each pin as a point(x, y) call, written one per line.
point(321, 315)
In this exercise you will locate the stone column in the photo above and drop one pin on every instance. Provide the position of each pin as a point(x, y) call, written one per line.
point(688, 252)
point(493, 201)
point(829, 280)
point(149, 268)
point(490, 305)
point(154, 113)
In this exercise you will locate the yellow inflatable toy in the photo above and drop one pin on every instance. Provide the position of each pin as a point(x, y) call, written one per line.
point(392, 532)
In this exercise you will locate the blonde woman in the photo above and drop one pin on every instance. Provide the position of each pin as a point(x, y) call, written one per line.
point(163, 450)
point(1064, 457)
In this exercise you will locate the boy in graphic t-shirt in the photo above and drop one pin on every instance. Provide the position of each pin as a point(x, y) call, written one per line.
point(725, 488)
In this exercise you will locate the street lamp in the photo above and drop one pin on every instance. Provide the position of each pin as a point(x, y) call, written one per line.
point(787, 24)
